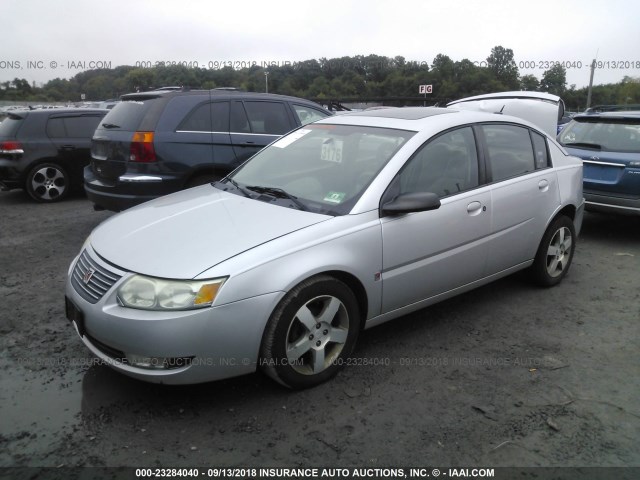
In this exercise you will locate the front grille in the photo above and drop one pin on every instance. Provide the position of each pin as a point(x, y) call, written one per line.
point(91, 280)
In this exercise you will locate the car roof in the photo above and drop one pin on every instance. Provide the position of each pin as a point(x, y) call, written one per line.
point(220, 93)
point(430, 119)
point(406, 113)
point(50, 112)
point(618, 115)
point(613, 108)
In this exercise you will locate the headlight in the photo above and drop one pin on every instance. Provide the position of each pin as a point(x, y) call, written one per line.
point(149, 293)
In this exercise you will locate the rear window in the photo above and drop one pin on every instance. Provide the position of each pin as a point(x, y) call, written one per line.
point(134, 115)
point(510, 151)
point(10, 125)
point(307, 114)
point(610, 134)
point(267, 117)
point(73, 127)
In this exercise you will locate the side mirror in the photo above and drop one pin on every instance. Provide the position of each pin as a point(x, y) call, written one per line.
point(411, 202)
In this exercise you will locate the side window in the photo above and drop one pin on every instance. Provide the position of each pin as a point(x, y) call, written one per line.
point(198, 120)
point(446, 165)
point(55, 128)
point(239, 121)
point(81, 127)
point(510, 150)
point(308, 114)
point(268, 117)
point(540, 150)
point(220, 117)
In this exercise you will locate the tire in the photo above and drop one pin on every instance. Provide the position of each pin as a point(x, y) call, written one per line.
point(48, 182)
point(202, 179)
point(555, 253)
point(322, 317)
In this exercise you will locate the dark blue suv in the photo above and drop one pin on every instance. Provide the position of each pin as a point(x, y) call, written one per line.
point(159, 142)
point(609, 145)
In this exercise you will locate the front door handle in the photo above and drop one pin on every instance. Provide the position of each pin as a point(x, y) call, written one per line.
point(474, 208)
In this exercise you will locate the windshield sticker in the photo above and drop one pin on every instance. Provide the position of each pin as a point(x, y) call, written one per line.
point(289, 139)
point(334, 197)
point(332, 150)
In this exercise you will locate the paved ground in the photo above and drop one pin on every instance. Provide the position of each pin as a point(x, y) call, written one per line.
point(507, 375)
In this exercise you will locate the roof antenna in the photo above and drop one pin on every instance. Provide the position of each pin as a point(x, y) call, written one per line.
point(501, 110)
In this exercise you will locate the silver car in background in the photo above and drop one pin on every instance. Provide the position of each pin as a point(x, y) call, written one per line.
point(341, 225)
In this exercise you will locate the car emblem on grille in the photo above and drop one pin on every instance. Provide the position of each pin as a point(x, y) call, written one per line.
point(87, 276)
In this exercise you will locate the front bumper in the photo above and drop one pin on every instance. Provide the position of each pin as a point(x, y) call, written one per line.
point(219, 342)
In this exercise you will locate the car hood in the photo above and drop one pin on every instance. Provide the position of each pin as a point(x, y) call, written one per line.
point(184, 234)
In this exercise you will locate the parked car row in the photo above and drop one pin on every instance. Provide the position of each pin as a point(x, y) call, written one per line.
point(149, 145)
point(159, 142)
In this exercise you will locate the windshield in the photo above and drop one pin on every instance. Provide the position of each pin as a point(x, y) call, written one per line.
point(610, 134)
point(325, 168)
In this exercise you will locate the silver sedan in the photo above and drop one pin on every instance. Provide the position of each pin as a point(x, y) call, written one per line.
point(341, 225)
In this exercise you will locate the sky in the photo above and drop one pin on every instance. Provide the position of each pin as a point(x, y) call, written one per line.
point(43, 39)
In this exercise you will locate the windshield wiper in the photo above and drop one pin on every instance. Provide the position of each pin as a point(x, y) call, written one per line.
point(279, 193)
point(110, 125)
point(235, 184)
point(584, 144)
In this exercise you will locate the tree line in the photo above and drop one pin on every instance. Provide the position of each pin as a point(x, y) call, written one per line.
point(394, 79)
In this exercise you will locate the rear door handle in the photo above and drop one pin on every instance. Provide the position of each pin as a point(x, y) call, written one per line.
point(68, 147)
point(543, 185)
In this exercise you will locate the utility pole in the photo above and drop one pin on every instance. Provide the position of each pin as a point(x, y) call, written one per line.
point(266, 82)
point(593, 68)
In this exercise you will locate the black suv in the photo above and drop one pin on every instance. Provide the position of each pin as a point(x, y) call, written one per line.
point(45, 151)
point(159, 142)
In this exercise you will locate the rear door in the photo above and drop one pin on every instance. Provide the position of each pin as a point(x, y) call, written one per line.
point(183, 138)
point(524, 192)
point(71, 134)
point(255, 124)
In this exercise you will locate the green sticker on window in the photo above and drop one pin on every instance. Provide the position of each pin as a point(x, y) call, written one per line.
point(334, 197)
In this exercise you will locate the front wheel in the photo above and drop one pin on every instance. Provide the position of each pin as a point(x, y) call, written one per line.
point(311, 333)
point(554, 253)
point(47, 182)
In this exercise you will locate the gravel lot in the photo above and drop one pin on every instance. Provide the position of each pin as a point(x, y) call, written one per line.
point(507, 375)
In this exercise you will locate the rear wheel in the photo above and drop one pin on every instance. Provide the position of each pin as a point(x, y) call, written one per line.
point(555, 252)
point(310, 333)
point(47, 182)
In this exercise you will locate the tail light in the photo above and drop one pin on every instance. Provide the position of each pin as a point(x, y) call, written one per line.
point(11, 148)
point(141, 149)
